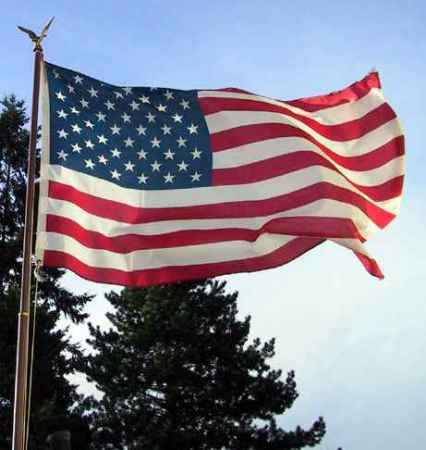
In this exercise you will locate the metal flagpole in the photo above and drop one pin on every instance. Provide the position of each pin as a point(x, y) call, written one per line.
point(21, 378)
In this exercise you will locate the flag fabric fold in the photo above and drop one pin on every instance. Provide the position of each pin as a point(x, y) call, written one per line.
point(142, 186)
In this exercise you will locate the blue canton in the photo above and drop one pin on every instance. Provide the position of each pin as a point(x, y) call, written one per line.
point(136, 137)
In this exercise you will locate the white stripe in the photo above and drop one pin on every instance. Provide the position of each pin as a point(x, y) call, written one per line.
point(177, 256)
point(112, 228)
point(261, 190)
point(352, 244)
point(370, 141)
point(259, 151)
point(43, 186)
point(271, 148)
point(345, 112)
point(393, 205)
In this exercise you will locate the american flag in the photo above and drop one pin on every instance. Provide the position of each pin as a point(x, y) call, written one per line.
point(142, 186)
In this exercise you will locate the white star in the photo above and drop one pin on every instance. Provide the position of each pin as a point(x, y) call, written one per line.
point(196, 177)
point(150, 117)
point(93, 92)
point(134, 105)
point(78, 79)
point(89, 124)
point(115, 129)
point(102, 139)
point(142, 154)
point(115, 174)
point(193, 129)
point(84, 103)
point(155, 142)
point(115, 153)
point(62, 114)
point(70, 88)
point(125, 117)
point(129, 142)
point(142, 178)
point(62, 134)
point(102, 160)
point(74, 110)
point(169, 154)
point(127, 90)
point(144, 99)
point(76, 128)
point(76, 148)
point(109, 105)
point(177, 118)
point(89, 164)
point(118, 94)
point(89, 144)
point(62, 155)
point(183, 166)
point(166, 129)
point(56, 74)
point(184, 104)
point(155, 166)
point(196, 153)
point(101, 117)
point(141, 130)
point(129, 166)
point(168, 178)
point(181, 142)
point(162, 108)
point(60, 96)
point(168, 95)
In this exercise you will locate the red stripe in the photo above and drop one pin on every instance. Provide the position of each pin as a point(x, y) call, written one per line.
point(371, 160)
point(338, 132)
point(254, 208)
point(141, 278)
point(385, 191)
point(371, 265)
point(352, 93)
point(247, 134)
point(324, 227)
point(235, 137)
point(283, 164)
point(230, 89)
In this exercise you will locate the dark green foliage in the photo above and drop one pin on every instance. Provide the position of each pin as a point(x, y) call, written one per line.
point(178, 372)
point(177, 369)
point(53, 395)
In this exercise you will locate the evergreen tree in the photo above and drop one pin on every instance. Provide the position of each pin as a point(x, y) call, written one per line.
point(177, 372)
point(54, 397)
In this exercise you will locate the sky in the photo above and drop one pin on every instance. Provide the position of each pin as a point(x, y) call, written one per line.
point(357, 344)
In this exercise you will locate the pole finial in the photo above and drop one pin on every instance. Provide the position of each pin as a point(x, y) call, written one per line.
point(37, 39)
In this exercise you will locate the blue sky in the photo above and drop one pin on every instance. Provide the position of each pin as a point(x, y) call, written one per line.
point(357, 344)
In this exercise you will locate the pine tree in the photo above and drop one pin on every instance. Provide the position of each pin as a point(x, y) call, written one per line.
point(178, 372)
point(54, 397)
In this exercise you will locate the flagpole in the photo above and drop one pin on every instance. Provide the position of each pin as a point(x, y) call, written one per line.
point(21, 376)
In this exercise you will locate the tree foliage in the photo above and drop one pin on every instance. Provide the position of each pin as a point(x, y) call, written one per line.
point(178, 372)
point(54, 397)
point(177, 369)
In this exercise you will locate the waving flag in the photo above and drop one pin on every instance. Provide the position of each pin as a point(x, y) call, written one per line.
point(142, 186)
